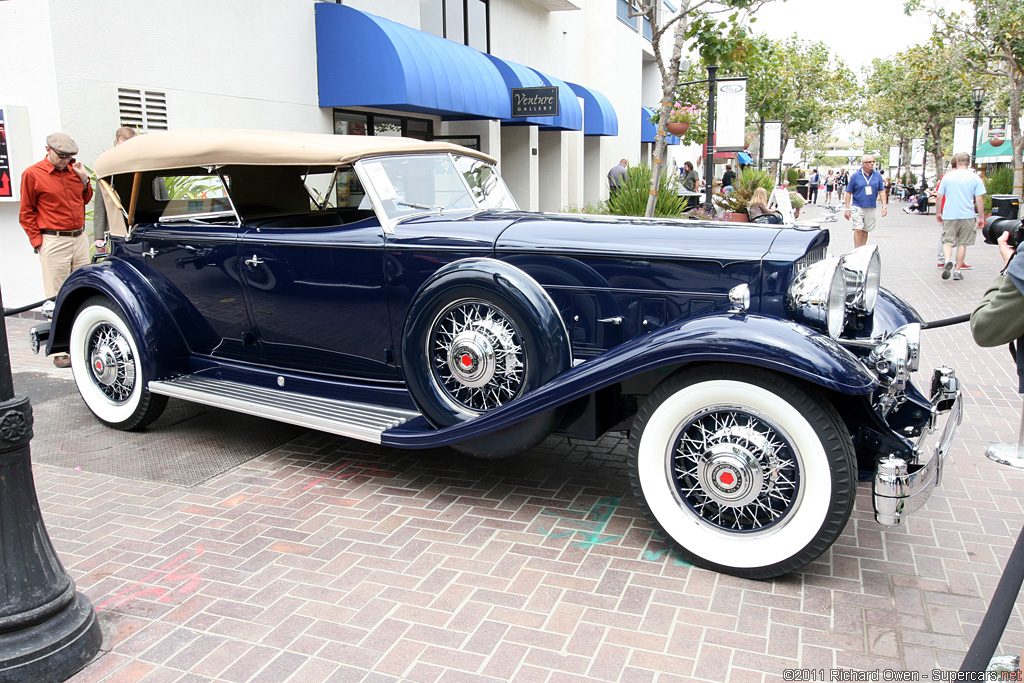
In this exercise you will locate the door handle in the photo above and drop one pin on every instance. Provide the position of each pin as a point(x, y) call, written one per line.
point(151, 253)
point(615, 320)
point(254, 261)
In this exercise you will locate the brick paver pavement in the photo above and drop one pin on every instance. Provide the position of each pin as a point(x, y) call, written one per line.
point(332, 560)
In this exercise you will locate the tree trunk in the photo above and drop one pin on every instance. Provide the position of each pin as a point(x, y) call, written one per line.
point(1016, 73)
point(669, 83)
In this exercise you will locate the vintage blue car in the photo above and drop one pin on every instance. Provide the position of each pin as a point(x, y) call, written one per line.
point(389, 290)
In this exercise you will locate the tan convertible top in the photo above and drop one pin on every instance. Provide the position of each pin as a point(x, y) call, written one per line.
point(185, 148)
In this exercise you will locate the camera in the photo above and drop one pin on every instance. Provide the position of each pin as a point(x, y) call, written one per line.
point(1005, 208)
point(995, 226)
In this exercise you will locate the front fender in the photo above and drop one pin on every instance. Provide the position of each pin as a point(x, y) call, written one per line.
point(778, 345)
point(162, 349)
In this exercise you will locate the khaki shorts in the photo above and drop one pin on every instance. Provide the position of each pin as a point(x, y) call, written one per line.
point(960, 232)
point(59, 256)
point(864, 219)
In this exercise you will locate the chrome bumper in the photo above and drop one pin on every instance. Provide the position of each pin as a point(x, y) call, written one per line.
point(901, 487)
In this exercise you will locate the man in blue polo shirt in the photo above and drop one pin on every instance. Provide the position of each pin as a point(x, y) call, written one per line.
point(864, 190)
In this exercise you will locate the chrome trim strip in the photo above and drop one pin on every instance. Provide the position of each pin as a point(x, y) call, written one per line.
point(345, 418)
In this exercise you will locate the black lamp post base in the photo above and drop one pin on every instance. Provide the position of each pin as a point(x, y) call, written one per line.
point(52, 650)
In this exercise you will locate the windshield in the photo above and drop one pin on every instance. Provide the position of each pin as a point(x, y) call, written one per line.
point(421, 183)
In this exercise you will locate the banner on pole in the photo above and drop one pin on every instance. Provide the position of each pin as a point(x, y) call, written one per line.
point(731, 115)
point(997, 127)
point(894, 156)
point(963, 131)
point(772, 140)
point(917, 151)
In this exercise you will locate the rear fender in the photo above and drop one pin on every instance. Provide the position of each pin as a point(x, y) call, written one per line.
point(778, 345)
point(162, 348)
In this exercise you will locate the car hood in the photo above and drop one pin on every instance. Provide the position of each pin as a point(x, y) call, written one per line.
point(646, 237)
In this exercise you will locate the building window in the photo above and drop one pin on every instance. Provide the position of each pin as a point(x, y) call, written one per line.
point(358, 123)
point(463, 21)
point(622, 9)
point(143, 110)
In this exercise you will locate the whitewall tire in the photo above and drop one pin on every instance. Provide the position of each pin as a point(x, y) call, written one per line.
point(741, 470)
point(106, 365)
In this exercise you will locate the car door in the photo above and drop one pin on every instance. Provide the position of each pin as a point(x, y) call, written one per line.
point(189, 238)
point(317, 295)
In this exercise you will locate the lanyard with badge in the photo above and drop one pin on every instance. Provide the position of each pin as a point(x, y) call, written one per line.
point(867, 184)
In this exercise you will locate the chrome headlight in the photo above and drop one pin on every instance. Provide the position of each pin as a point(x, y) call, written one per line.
point(863, 270)
point(817, 297)
point(898, 356)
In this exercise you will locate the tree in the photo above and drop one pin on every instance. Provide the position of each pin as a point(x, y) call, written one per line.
point(716, 27)
point(993, 41)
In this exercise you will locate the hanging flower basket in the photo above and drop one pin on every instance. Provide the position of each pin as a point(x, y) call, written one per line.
point(995, 141)
point(678, 127)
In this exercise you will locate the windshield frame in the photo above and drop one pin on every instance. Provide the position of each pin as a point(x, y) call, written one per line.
point(389, 222)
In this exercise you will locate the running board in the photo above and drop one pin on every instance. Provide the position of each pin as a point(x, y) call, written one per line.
point(346, 418)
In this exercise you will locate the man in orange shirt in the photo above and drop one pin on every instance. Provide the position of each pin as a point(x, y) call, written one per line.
point(54, 194)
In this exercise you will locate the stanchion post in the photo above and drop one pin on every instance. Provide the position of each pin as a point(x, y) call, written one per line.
point(1011, 454)
point(48, 630)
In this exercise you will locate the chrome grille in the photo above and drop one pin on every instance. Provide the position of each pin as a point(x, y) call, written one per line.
point(809, 259)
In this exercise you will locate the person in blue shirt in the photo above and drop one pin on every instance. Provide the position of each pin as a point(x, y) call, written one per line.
point(962, 214)
point(863, 191)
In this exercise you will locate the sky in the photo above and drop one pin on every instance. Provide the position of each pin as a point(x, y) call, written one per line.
point(857, 31)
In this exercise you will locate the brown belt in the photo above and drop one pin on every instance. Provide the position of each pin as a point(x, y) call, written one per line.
point(62, 233)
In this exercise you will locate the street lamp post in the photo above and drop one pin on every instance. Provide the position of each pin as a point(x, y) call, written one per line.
point(48, 630)
point(709, 164)
point(760, 141)
point(977, 96)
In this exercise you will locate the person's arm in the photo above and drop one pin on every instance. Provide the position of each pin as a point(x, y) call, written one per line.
point(999, 318)
point(849, 199)
point(884, 196)
point(979, 206)
point(29, 214)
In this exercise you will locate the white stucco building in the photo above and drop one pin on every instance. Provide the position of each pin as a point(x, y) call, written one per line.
point(353, 66)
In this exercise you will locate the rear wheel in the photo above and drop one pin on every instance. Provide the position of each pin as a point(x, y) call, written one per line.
point(107, 370)
point(742, 471)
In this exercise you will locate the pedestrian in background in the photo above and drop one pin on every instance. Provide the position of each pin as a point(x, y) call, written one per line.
point(54, 194)
point(691, 183)
point(100, 224)
point(728, 178)
point(863, 191)
point(617, 175)
point(961, 212)
point(830, 186)
point(812, 191)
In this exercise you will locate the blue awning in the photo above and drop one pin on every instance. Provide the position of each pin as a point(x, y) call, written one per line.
point(368, 61)
point(598, 113)
point(570, 115)
point(744, 158)
point(649, 131)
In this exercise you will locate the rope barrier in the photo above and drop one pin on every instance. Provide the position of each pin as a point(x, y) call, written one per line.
point(16, 311)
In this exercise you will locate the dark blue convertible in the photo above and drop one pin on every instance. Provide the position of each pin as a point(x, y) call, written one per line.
point(390, 290)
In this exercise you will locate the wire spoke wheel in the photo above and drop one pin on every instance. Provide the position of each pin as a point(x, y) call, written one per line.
point(108, 369)
point(742, 470)
point(734, 470)
point(477, 357)
point(111, 362)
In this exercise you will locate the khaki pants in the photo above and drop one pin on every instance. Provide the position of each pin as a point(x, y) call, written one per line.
point(59, 257)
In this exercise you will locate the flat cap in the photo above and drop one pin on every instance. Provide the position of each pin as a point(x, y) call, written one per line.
point(61, 142)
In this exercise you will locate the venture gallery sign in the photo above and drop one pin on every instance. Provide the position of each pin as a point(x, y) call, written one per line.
point(540, 101)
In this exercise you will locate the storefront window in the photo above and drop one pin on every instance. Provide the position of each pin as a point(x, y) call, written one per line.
point(355, 123)
point(349, 124)
point(463, 21)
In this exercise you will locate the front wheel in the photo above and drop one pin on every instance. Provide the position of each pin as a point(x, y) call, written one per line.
point(742, 471)
point(108, 372)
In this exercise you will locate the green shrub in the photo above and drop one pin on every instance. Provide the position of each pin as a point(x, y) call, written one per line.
point(631, 197)
point(1000, 182)
point(598, 208)
point(792, 175)
point(749, 180)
